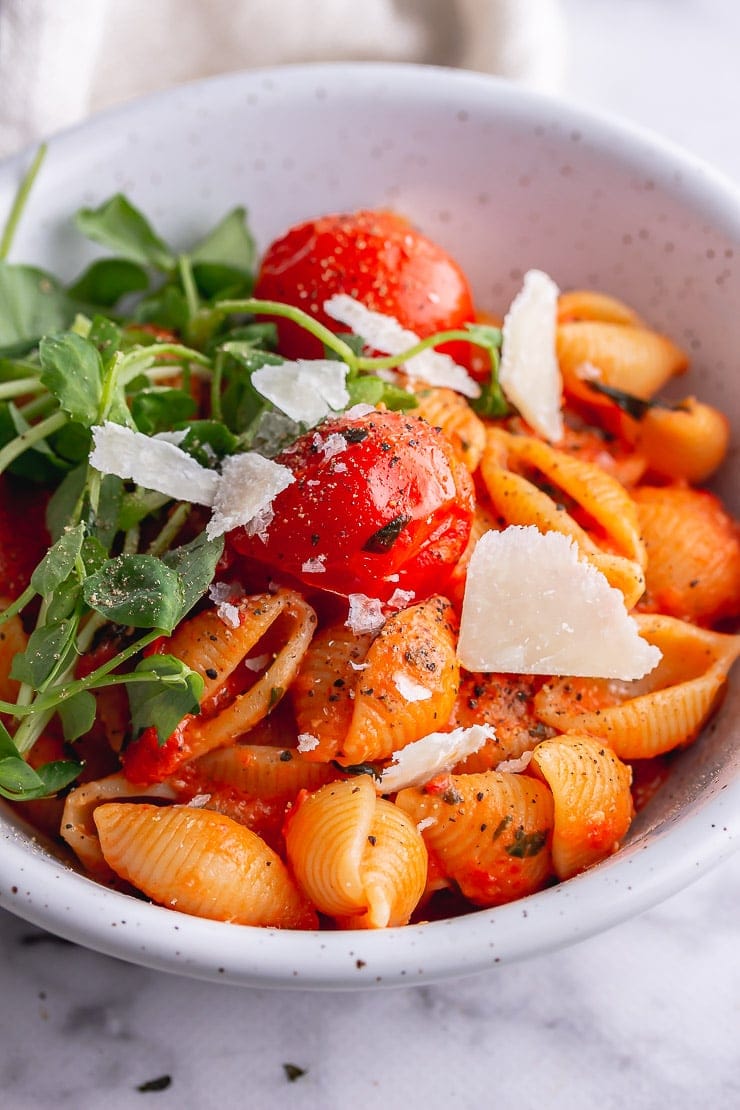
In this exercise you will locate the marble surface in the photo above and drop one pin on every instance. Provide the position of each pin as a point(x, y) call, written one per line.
point(646, 1015)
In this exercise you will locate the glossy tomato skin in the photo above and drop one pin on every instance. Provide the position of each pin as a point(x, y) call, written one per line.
point(379, 502)
point(376, 257)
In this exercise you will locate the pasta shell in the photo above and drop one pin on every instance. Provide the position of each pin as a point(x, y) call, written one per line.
point(630, 358)
point(263, 772)
point(593, 803)
point(693, 551)
point(447, 410)
point(409, 686)
point(686, 442)
point(13, 640)
point(586, 304)
point(201, 863)
point(490, 832)
point(357, 857)
point(78, 825)
point(667, 708)
point(325, 838)
point(323, 691)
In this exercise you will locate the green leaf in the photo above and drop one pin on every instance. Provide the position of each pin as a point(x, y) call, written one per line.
point(71, 369)
point(77, 714)
point(369, 390)
point(110, 500)
point(7, 747)
point(121, 227)
point(163, 704)
point(492, 402)
point(107, 280)
point(209, 440)
point(17, 779)
point(195, 564)
point(106, 336)
point(56, 775)
point(158, 409)
point(136, 590)
point(34, 304)
point(71, 444)
point(64, 601)
point(47, 653)
point(230, 244)
point(167, 308)
point(59, 561)
point(64, 499)
point(94, 555)
point(37, 463)
point(260, 336)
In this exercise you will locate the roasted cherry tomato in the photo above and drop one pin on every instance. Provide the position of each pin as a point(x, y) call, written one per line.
point(379, 503)
point(377, 258)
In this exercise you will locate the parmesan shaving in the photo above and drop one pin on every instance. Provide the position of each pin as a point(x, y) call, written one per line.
point(333, 445)
point(410, 690)
point(434, 754)
point(384, 333)
point(307, 742)
point(306, 390)
point(399, 599)
point(154, 463)
point(365, 614)
point(515, 766)
point(249, 484)
point(529, 373)
point(258, 662)
point(533, 606)
point(314, 566)
point(425, 823)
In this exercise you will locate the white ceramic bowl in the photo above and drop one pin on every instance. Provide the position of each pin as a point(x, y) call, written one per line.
point(507, 180)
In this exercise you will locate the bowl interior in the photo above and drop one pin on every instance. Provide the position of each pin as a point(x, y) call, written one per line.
point(507, 180)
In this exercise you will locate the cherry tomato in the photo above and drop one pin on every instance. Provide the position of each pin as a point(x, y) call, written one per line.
point(377, 258)
point(23, 536)
point(379, 503)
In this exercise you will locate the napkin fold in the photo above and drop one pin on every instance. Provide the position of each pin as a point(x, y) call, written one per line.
point(61, 61)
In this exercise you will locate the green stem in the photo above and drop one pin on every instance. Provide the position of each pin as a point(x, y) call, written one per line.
point(216, 380)
point(19, 604)
point(19, 203)
point(21, 443)
point(163, 541)
point(19, 386)
point(255, 306)
point(390, 362)
point(41, 406)
point(185, 270)
point(46, 705)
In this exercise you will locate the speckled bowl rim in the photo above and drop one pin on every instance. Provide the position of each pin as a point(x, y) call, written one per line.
point(38, 888)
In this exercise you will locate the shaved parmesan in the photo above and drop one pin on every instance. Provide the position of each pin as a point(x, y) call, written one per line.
point(384, 333)
point(307, 742)
point(314, 566)
point(529, 373)
point(410, 690)
point(154, 463)
point(333, 445)
point(223, 595)
point(249, 484)
point(306, 390)
point(426, 823)
point(533, 606)
point(399, 599)
point(515, 766)
point(365, 614)
point(419, 762)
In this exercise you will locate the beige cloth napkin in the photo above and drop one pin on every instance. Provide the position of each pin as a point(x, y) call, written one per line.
point(60, 60)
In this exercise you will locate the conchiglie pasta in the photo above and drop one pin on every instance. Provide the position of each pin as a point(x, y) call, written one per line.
point(357, 857)
point(653, 715)
point(323, 692)
point(628, 357)
point(591, 794)
point(277, 626)
point(262, 771)
point(685, 442)
point(613, 543)
point(409, 685)
point(693, 547)
point(78, 824)
point(588, 304)
point(506, 702)
point(445, 409)
point(13, 640)
point(490, 832)
point(200, 863)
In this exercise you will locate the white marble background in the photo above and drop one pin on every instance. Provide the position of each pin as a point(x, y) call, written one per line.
point(645, 1016)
